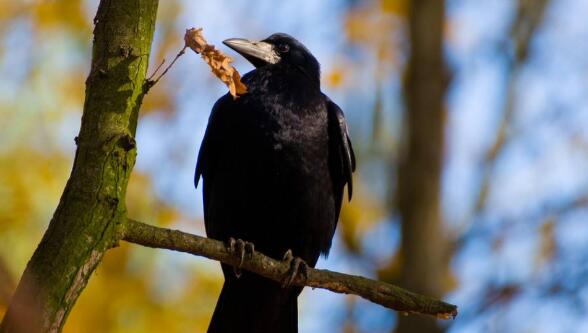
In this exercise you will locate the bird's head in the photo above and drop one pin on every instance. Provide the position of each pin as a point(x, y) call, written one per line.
point(277, 49)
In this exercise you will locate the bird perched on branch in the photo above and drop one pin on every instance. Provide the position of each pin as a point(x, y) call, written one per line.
point(274, 164)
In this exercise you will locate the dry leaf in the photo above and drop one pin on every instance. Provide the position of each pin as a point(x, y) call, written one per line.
point(219, 63)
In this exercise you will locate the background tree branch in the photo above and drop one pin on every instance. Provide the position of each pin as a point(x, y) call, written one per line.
point(423, 266)
point(529, 17)
point(382, 293)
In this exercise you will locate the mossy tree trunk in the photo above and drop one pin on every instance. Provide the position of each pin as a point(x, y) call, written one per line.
point(92, 207)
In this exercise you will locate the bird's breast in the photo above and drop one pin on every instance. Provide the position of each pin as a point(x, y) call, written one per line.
point(275, 171)
point(290, 133)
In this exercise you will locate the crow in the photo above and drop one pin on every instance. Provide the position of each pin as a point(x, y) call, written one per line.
point(274, 164)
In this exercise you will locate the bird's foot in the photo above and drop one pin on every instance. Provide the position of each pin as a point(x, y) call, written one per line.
point(240, 248)
point(297, 267)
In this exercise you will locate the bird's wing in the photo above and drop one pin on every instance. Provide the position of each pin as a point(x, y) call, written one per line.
point(210, 141)
point(341, 150)
point(209, 150)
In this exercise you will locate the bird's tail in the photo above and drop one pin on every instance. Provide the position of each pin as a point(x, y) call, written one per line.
point(252, 304)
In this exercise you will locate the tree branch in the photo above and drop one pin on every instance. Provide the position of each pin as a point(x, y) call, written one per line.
point(528, 19)
point(385, 294)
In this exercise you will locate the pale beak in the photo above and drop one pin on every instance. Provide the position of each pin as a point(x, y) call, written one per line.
point(257, 53)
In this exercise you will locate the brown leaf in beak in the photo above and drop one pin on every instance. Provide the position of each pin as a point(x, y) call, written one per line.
point(219, 63)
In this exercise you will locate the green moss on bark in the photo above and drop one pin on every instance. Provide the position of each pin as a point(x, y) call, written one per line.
point(86, 223)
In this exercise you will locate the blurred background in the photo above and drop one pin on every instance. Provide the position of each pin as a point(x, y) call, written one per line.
point(477, 193)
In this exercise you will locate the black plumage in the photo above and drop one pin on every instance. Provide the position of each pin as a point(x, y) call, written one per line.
point(274, 164)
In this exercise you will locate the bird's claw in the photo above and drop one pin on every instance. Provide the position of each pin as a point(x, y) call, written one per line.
point(240, 248)
point(297, 267)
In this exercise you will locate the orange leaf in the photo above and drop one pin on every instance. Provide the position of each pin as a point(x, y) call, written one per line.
point(219, 63)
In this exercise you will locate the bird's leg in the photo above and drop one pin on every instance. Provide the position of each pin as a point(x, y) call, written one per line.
point(297, 266)
point(240, 248)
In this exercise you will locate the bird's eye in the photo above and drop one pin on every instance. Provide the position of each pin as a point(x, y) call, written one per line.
point(283, 48)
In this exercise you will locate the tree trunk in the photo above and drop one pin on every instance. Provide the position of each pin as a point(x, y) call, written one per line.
point(423, 265)
point(92, 207)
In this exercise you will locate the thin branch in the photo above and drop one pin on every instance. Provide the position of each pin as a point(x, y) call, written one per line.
point(149, 83)
point(156, 70)
point(385, 294)
point(529, 17)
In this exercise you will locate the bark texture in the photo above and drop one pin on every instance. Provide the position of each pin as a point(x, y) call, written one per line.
point(86, 221)
point(419, 175)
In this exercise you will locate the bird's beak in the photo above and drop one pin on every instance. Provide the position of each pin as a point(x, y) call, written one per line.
point(257, 53)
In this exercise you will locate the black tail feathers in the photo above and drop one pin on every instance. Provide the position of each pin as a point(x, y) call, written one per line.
point(252, 304)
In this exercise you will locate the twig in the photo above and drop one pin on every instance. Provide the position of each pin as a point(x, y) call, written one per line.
point(156, 70)
point(385, 294)
point(150, 83)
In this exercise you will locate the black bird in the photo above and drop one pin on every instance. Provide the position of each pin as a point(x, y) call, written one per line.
point(274, 163)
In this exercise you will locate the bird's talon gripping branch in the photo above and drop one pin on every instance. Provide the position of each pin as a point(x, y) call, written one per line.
point(240, 248)
point(297, 267)
point(249, 249)
point(288, 256)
